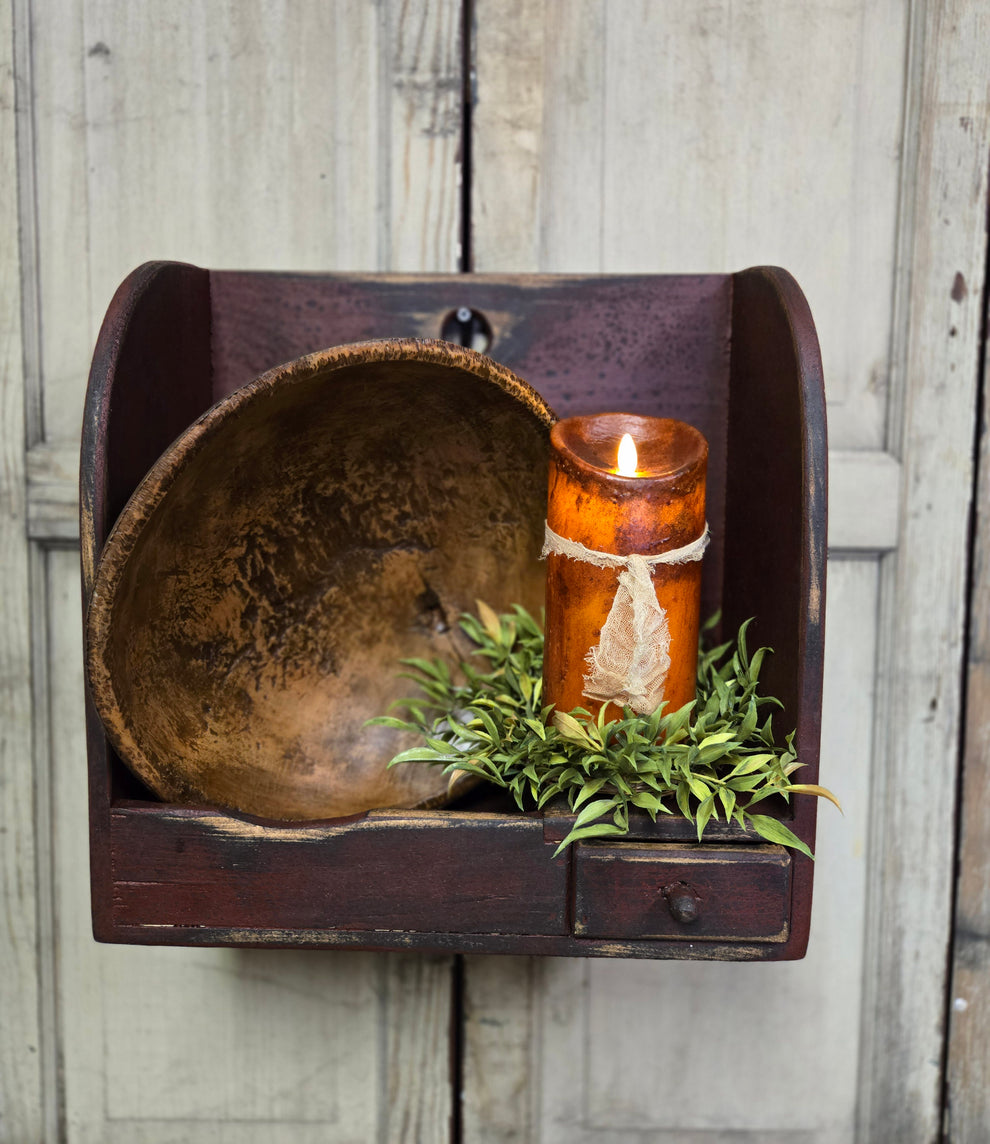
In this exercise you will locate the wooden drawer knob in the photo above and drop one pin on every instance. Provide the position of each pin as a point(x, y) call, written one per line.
point(683, 903)
point(684, 892)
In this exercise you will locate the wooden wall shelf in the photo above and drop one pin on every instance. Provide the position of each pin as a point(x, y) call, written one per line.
point(735, 355)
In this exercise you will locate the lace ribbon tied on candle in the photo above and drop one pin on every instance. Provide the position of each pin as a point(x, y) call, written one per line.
point(629, 665)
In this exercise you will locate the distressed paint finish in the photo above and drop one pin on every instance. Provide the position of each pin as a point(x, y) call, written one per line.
point(456, 873)
point(709, 136)
point(22, 1049)
point(265, 134)
point(968, 1080)
point(968, 1056)
point(944, 213)
point(501, 1049)
point(626, 890)
point(145, 893)
point(211, 1045)
point(668, 137)
point(542, 90)
point(561, 1054)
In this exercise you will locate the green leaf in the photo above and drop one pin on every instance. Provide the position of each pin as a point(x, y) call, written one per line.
point(550, 792)
point(756, 663)
point(775, 831)
point(712, 622)
point(422, 755)
point(481, 772)
point(813, 788)
point(649, 802)
point(683, 796)
point(713, 753)
point(674, 723)
point(720, 737)
point(389, 721)
point(569, 728)
point(536, 727)
point(599, 830)
point(594, 810)
point(741, 642)
point(589, 789)
point(705, 811)
point(748, 725)
point(752, 763)
point(652, 730)
point(492, 723)
point(745, 782)
point(764, 792)
point(433, 668)
point(621, 784)
point(698, 788)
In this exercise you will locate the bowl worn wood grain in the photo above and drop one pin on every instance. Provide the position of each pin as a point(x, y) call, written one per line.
point(334, 515)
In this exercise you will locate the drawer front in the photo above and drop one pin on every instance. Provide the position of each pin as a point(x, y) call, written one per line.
point(698, 893)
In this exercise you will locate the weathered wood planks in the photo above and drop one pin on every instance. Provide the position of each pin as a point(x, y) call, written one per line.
point(668, 138)
point(266, 134)
point(22, 1047)
point(967, 1090)
point(617, 139)
point(922, 600)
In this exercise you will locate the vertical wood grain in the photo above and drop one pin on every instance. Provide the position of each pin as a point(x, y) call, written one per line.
point(424, 123)
point(20, 1046)
point(55, 215)
point(571, 1052)
point(266, 135)
point(663, 137)
point(538, 138)
point(703, 137)
point(647, 137)
point(235, 1046)
point(501, 1054)
point(968, 1051)
point(922, 596)
point(967, 1089)
point(416, 1103)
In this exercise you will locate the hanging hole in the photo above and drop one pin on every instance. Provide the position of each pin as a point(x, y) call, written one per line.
point(467, 327)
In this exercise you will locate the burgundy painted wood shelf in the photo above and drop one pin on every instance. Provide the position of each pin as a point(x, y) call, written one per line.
point(736, 356)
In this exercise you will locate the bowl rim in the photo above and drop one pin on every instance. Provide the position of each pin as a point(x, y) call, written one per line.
point(155, 485)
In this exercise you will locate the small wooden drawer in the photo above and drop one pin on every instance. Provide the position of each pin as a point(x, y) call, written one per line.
point(696, 893)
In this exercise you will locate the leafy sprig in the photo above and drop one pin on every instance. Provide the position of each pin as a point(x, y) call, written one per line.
point(714, 758)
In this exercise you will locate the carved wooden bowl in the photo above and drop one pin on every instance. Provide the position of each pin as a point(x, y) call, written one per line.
point(257, 592)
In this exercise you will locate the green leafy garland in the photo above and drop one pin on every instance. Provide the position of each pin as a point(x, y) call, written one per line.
point(721, 764)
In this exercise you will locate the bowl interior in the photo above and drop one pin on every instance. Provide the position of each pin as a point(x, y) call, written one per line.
point(257, 593)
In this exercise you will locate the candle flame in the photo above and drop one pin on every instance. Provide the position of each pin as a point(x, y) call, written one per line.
point(628, 458)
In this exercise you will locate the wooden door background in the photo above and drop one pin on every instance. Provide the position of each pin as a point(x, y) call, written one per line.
point(847, 142)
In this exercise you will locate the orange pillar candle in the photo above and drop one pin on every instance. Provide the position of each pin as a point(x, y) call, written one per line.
point(624, 559)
